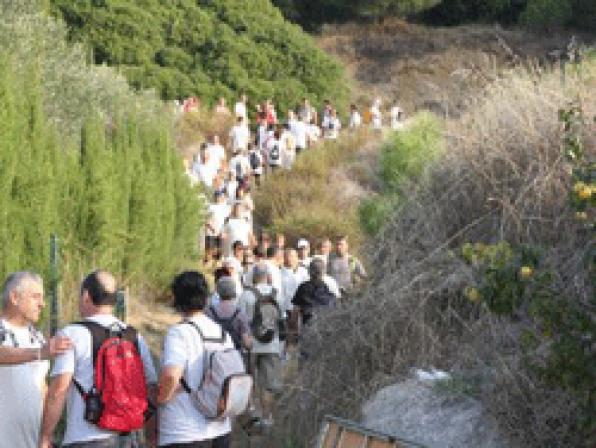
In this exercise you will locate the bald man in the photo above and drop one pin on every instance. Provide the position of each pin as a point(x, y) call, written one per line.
point(96, 305)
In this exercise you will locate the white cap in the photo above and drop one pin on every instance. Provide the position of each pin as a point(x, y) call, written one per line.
point(302, 243)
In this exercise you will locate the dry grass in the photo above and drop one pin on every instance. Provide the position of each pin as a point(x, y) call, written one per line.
point(194, 128)
point(502, 178)
point(326, 183)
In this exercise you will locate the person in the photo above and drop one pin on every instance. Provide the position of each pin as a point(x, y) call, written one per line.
point(299, 129)
point(306, 111)
point(324, 250)
point(221, 272)
point(274, 262)
point(239, 136)
point(331, 125)
point(229, 315)
point(303, 248)
point(204, 170)
point(255, 158)
point(376, 116)
point(274, 151)
point(280, 240)
point(237, 229)
point(221, 108)
point(181, 424)
point(217, 153)
point(244, 197)
point(219, 211)
point(265, 355)
point(292, 276)
point(313, 294)
point(355, 118)
point(289, 147)
point(240, 166)
point(396, 118)
point(313, 133)
point(240, 108)
point(345, 268)
point(24, 364)
point(73, 374)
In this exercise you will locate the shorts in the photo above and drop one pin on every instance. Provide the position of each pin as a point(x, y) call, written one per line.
point(268, 371)
point(212, 242)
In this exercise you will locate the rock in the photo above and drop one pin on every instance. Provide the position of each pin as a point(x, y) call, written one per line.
point(415, 410)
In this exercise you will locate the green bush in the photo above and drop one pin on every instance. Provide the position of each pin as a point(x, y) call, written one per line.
point(546, 13)
point(88, 160)
point(407, 153)
point(208, 48)
point(374, 212)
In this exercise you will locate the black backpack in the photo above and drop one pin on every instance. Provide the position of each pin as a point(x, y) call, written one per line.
point(228, 326)
point(261, 332)
point(255, 162)
point(274, 154)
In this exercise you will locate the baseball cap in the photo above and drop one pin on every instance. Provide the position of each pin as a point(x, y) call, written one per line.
point(302, 243)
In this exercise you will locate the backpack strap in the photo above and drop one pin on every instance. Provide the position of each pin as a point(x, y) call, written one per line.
point(99, 334)
point(220, 340)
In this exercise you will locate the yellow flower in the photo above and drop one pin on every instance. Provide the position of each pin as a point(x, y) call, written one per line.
point(585, 192)
point(472, 294)
point(526, 272)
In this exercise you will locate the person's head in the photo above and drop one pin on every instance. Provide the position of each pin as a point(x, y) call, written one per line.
point(98, 293)
point(190, 292)
point(277, 134)
point(280, 240)
point(215, 139)
point(316, 269)
point(248, 258)
point(22, 296)
point(325, 246)
point(239, 120)
point(290, 115)
point(243, 98)
point(291, 258)
point(341, 246)
point(305, 101)
point(226, 288)
point(238, 249)
point(219, 197)
point(221, 272)
point(353, 107)
point(260, 274)
point(303, 248)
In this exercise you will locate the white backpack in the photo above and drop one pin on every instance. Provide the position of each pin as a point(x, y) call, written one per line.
point(225, 387)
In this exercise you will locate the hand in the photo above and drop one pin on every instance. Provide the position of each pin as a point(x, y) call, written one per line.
point(56, 346)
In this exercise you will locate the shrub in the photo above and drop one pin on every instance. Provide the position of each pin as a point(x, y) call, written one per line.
point(208, 48)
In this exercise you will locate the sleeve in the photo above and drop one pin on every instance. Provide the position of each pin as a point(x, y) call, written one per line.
point(150, 373)
point(65, 363)
point(174, 349)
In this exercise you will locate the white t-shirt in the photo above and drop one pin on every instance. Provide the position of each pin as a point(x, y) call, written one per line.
point(355, 119)
point(376, 117)
point(331, 127)
point(237, 229)
point(205, 172)
point(239, 164)
point(332, 285)
point(79, 362)
point(314, 133)
point(219, 213)
point(217, 153)
point(180, 420)
point(240, 109)
point(299, 130)
point(22, 389)
point(239, 135)
point(231, 187)
point(290, 281)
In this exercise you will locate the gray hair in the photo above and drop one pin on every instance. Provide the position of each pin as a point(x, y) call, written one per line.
point(16, 281)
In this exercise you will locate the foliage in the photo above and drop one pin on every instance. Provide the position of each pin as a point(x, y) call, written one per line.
point(536, 13)
point(207, 48)
point(312, 15)
point(103, 176)
point(374, 212)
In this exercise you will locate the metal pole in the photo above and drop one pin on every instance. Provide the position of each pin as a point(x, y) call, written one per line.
point(54, 305)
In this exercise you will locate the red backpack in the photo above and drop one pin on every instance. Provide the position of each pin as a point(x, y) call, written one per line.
point(117, 401)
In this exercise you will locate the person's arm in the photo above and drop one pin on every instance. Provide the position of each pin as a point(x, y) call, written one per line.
point(54, 347)
point(169, 383)
point(151, 424)
point(53, 407)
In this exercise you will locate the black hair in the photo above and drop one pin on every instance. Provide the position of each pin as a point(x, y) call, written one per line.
point(272, 251)
point(190, 291)
point(221, 272)
point(237, 244)
point(97, 290)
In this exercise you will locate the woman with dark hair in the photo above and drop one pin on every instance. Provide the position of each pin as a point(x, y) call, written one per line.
point(181, 424)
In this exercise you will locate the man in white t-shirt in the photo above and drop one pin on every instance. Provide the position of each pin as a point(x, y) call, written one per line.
point(331, 125)
point(292, 276)
point(217, 153)
point(203, 168)
point(299, 130)
point(96, 305)
point(237, 229)
point(240, 108)
point(182, 362)
point(23, 361)
point(239, 135)
point(376, 115)
point(355, 118)
point(218, 213)
point(240, 166)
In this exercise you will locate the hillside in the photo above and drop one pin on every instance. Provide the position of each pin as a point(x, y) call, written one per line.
point(436, 68)
point(208, 48)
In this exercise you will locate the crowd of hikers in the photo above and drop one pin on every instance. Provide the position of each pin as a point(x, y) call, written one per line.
point(224, 359)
